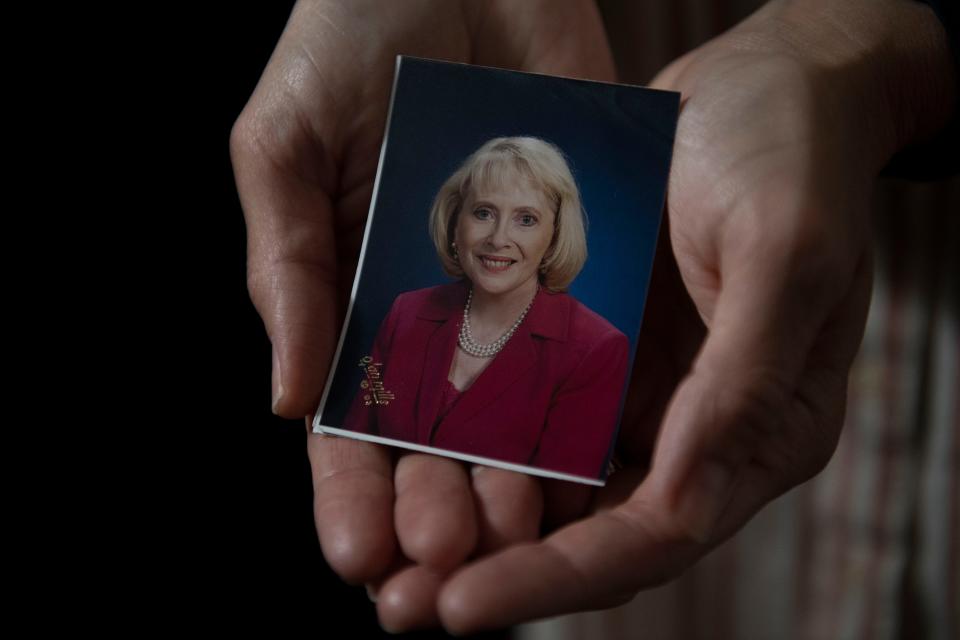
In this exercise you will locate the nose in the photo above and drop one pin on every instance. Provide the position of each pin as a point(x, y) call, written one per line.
point(499, 237)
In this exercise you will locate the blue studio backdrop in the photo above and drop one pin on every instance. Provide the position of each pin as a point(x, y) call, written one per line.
point(618, 140)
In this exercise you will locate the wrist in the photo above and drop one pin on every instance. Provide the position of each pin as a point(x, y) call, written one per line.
point(896, 55)
point(886, 64)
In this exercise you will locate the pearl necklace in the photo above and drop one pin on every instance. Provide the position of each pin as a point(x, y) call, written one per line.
point(474, 348)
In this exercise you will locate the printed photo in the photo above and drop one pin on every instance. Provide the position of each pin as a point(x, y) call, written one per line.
point(504, 270)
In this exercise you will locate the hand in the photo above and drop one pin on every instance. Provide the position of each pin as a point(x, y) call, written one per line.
point(305, 151)
point(786, 121)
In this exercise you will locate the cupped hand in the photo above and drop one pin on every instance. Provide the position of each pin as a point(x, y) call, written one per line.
point(758, 308)
point(305, 151)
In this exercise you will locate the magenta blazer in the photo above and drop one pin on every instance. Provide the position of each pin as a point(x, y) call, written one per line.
point(550, 399)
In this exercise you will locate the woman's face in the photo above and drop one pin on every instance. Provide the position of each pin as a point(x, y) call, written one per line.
point(503, 233)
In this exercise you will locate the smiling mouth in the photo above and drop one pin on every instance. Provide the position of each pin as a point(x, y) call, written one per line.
point(496, 264)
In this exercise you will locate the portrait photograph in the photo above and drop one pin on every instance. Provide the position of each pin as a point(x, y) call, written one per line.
point(504, 269)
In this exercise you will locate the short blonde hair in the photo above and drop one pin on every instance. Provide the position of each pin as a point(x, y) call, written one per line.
point(544, 164)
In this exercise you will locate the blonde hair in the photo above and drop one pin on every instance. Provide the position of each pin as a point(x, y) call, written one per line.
point(544, 164)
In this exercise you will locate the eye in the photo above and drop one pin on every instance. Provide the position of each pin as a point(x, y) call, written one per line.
point(527, 219)
point(483, 213)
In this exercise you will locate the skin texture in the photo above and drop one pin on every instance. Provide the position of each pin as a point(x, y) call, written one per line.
point(757, 306)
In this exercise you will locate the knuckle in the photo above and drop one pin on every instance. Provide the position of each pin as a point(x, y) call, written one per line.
point(258, 284)
point(520, 518)
point(658, 525)
point(265, 133)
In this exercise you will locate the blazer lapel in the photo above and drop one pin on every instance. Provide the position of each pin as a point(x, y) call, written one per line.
point(436, 368)
point(439, 319)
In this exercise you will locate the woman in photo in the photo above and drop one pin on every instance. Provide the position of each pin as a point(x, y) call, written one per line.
point(502, 363)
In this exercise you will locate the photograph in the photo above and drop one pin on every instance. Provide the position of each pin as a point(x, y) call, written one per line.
point(504, 269)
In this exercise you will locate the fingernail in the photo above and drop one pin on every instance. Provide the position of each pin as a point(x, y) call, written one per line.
point(476, 470)
point(704, 499)
point(277, 380)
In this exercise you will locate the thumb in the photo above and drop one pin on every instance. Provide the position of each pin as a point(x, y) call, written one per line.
point(741, 387)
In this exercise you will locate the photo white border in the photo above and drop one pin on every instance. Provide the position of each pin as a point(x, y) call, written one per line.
point(355, 435)
point(449, 453)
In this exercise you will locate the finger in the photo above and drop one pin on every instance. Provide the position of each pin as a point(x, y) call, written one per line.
point(353, 505)
point(594, 563)
point(408, 599)
point(284, 176)
point(817, 408)
point(818, 405)
point(509, 507)
point(435, 518)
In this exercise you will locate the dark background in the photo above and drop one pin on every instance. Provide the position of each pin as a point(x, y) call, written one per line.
point(617, 141)
point(258, 552)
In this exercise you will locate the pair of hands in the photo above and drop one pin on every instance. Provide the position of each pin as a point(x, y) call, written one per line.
point(757, 307)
